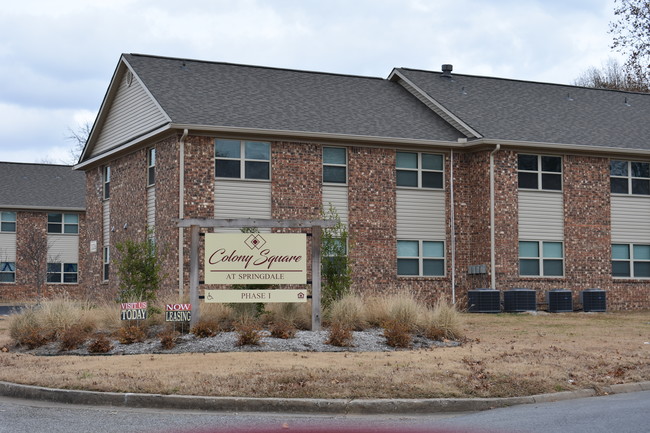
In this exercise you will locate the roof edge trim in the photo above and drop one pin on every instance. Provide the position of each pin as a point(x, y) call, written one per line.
point(561, 146)
point(44, 208)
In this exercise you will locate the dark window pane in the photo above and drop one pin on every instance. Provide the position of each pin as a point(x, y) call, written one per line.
point(641, 269)
point(70, 267)
point(621, 269)
point(527, 162)
point(54, 267)
point(7, 266)
point(333, 174)
point(257, 150)
point(71, 228)
point(151, 175)
point(408, 267)
point(407, 160)
point(54, 228)
point(431, 162)
point(553, 268)
point(640, 186)
point(618, 185)
point(7, 277)
point(107, 191)
point(227, 149)
point(618, 168)
point(528, 180)
point(53, 278)
point(552, 163)
point(257, 170)
point(528, 267)
point(54, 218)
point(431, 179)
point(334, 155)
point(433, 267)
point(8, 227)
point(70, 278)
point(226, 168)
point(407, 178)
point(552, 181)
point(640, 169)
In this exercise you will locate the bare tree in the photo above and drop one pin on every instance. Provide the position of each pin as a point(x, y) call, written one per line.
point(612, 76)
point(34, 252)
point(78, 137)
point(631, 30)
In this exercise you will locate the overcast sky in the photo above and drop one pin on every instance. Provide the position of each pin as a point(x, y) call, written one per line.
point(57, 56)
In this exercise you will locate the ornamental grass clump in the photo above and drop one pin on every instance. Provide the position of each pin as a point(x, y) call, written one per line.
point(349, 312)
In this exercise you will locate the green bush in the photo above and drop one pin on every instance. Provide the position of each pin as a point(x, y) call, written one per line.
point(139, 271)
point(336, 268)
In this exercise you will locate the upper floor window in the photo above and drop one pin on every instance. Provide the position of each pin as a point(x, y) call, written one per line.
point(334, 165)
point(8, 222)
point(628, 177)
point(63, 223)
point(421, 258)
point(242, 159)
point(541, 259)
point(419, 170)
point(106, 181)
point(151, 166)
point(7, 272)
point(631, 260)
point(540, 172)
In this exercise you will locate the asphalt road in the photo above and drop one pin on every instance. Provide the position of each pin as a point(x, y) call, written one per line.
point(621, 413)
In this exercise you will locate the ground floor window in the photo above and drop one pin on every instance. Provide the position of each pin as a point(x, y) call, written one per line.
point(420, 258)
point(631, 260)
point(541, 259)
point(62, 273)
point(107, 262)
point(7, 272)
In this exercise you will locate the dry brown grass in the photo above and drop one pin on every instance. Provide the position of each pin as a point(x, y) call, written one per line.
point(505, 355)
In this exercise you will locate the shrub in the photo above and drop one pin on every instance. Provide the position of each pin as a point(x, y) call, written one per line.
point(340, 335)
point(73, 337)
point(101, 344)
point(131, 334)
point(168, 338)
point(139, 271)
point(282, 329)
point(222, 314)
point(249, 333)
point(349, 312)
point(205, 328)
point(397, 334)
point(336, 267)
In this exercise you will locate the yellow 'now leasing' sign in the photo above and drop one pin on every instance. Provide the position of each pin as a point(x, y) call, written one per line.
point(255, 258)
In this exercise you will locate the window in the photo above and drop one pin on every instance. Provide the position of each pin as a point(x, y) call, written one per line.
point(334, 165)
point(631, 260)
point(419, 170)
point(7, 272)
point(62, 273)
point(540, 172)
point(63, 223)
point(421, 258)
point(242, 159)
point(628, 177)
point(106, 260)
point(8, 222)
point(541, 259)
point(106, 180)
point(151, 166)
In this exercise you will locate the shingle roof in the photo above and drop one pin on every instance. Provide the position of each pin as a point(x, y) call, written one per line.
point(538, 112)
point(41, 186)
point(221, 94)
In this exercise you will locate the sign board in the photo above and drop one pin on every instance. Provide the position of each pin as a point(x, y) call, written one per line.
point(255, 258)
point(251, 296)
point(178, 312)
point(133, 310)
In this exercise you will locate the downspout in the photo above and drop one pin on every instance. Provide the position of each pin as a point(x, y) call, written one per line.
point(493, 277)
point(181, 210)
point(453, 230)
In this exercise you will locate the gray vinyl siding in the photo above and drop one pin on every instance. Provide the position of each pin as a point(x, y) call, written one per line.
point(541, 216)
point(630, 219)
point(106, 222)
point(132, 113)
point(242, 199)
point(337, 195)
point(421, 214)
point(7, 247)
point(63, 249)
point(151, 207)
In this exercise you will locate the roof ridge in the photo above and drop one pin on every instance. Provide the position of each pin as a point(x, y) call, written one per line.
point(274, 68)
point(44, 164)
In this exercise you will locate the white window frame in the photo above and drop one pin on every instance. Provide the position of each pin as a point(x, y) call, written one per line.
point(421, 258)
point(629, 177)
point(540, 173)
point(329, 164)
point(61, 273)
point(631, 260)
point(62, 224)
point(419, 170)
point(151, 166)
point(106, 182)
point(8, 268)
point(541, 259)
point(242, 160)
point(5, 219)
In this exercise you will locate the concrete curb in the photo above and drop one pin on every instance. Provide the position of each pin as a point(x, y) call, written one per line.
point(298, 405)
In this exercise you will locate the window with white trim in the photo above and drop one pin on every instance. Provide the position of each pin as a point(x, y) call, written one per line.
point(62, 273)
point(541, 259)
point(420, 258)
point(106, 182)
point(7, 272)
point(419, 170)
point(631, 260)
point(629, 177)
point(335, 165)
point(67, 223)
point(106, 262)
point(8, 222)
point(151, 166)
point(539, 172)
point(239, 159)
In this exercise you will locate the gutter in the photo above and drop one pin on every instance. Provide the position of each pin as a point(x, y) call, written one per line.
point(181, 208)
point(493, 278)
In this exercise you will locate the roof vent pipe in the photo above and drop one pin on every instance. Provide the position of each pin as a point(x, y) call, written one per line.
point(446, 70)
